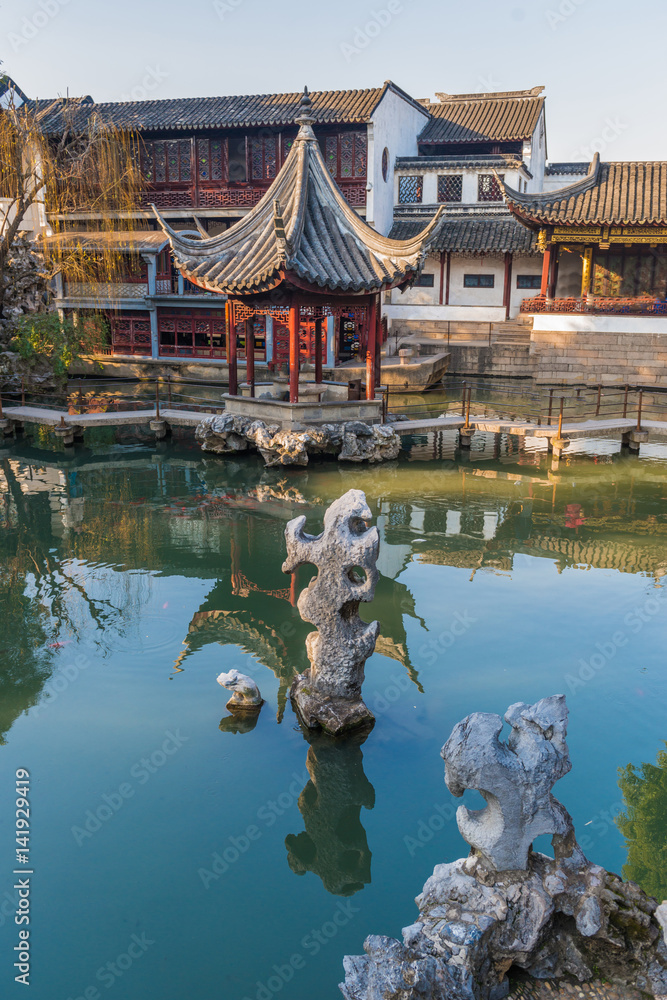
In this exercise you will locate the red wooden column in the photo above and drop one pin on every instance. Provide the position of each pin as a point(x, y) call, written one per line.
point(230, 316)
point(294, 325)
point(553, 273)
point(250, 354)
point(371, 355)
point(546, 269)
point(507, 297)
point(318, 350)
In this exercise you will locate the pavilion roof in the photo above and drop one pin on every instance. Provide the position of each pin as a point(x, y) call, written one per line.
point(136, 241)
point(473, 234)
point(623, 193)
point(302, 229)
point(506, 117)
point(194, 113)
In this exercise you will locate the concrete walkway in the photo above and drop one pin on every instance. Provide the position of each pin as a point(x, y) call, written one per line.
point(52, 418)
point(522, 428)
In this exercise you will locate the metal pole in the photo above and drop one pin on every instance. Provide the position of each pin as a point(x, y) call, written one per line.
point(22, 391)
point(639, 410)
point(2, 416)
point(157, 399)
point(551, 400)
point(169, 389)
point(468, 408)
point(560, 418)
point(597, 408)
point(625, 402)
point(463, 401)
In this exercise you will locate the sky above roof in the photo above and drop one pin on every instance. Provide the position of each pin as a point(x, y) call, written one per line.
point(602, 73)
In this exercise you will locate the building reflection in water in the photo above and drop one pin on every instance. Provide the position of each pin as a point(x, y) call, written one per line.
point(333, 845)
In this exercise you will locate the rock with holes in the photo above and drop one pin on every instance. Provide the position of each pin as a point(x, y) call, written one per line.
point(345, 555)
point(507, 905)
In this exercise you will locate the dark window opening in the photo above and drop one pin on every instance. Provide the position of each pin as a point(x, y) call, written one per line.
point(238, 166)
point(479, 280)
point(529, 281)
point(425, 281)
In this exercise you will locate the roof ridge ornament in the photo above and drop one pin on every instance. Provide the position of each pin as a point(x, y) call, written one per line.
point(305, 118)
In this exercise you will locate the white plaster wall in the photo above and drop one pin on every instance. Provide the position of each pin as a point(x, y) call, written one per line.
point(523, 265)
point(554, 181)
point(34, 220)
point(395, 125)
point(421, 296)
point(470, 185)
point(460, 296)
point(572, 323)
point(454, 314)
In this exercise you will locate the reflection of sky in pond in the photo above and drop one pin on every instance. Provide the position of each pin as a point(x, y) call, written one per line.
point(500, 582)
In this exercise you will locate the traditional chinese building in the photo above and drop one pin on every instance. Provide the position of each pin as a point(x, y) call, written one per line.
point(481, 261)
point(301, 267)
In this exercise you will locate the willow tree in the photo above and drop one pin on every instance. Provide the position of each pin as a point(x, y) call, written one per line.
point(56, 159)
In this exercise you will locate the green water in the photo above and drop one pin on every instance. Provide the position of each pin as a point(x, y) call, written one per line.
point(246, 864)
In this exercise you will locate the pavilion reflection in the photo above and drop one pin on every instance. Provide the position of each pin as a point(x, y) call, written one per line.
point(333, 845)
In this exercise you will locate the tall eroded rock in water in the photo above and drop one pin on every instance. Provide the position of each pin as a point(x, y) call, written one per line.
point(345, 555)
point(507, 905)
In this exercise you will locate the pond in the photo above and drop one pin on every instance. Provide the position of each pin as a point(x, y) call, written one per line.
point(176, 856)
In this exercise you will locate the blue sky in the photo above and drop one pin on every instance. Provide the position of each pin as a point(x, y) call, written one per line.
point(603, 76)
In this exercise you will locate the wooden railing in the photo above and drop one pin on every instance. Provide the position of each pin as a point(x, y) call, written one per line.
point(597, 305)
point(354, 193)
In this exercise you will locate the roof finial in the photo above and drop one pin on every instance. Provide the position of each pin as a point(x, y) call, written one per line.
point(305, 115)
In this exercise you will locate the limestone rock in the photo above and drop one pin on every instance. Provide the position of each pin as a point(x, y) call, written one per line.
point(515, 779)
point(246, 696)
point(354, 441)
point(551, 917)
point(329, 693)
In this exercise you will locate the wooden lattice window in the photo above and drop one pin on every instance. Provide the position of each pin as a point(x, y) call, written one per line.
point(264, 157)
point(450, 187)
point(410, 190)
point(488, 187)
point(287, 145)
point(210, 159)
point(346, 155)
point(167, 162)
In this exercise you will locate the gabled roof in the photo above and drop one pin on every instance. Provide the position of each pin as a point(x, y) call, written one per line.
point(302, 228)
point(472, 235)
point(624, 193)
point(506, 117)
point(194, 113)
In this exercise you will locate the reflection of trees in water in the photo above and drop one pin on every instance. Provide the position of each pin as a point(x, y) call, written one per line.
point(644, 824)
point(45, 594)
point(334, 845)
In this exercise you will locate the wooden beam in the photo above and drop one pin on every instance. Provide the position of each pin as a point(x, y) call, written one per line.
point(294, 329)
point(250, 354)
point(230, 318)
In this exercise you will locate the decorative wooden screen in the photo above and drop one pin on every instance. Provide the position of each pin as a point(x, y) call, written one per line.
point(130, 333)
point(211, 159)
point(346, 155)
point(263, 157)
point(488, 188)
point(167, 161)
point(192, 333)
point(450, 187)
point(410, 190)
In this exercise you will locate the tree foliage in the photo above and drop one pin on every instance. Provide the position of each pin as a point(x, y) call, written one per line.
point(644, 824)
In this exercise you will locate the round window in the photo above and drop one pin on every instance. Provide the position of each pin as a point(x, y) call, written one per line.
point(385, 164)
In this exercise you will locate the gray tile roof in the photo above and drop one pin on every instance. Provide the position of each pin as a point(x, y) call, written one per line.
point(139, 241)
point(624, 193)
point(483, 118)
point(472, 235)
point(303, 228)
point(195, 113)
point(566, 168)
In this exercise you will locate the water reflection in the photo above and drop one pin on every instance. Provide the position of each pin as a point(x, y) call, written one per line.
point(334, 845)
point(644, 824)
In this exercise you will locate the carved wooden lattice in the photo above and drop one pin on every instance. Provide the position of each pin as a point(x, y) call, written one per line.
point(210, 159)
point(450, 187)
point(130, 335)
point(410, 190)
point(331, 154)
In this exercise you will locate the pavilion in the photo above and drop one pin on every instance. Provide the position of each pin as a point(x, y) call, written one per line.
point(303, 257)
point(604, 240)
